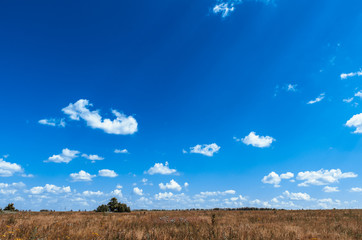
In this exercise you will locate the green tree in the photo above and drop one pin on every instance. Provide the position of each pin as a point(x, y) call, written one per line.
point(113, 206)
point(102, 208)
point(10, 207)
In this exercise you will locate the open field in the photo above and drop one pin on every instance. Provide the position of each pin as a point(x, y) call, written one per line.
point(304, 224)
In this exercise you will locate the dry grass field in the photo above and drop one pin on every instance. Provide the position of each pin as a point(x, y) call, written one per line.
point(304, 224)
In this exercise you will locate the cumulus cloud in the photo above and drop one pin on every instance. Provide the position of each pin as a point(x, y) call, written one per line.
point(256, 140)
point(206, 149)
point(351, 74)
point(12, 188)
point(8, 169)
point(172, 185)
point(66, 156)
point(53, 122)
point(92, 157)
point(355, 121)
point(121, 151)
point(322, 177)
point(159, 168)
point(107, 173)
point(91, 193)
point(297, 196)
point(50, 188)
point(329, 189)
point(117, 192)
point(356, 189)
point(82, 176)
point(121, 125)
point(138, 191)
point(275, 179)
point(163, 196)
point(318, 99)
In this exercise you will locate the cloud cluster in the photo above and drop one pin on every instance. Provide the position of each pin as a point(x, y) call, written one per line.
point(275, 179)
point(351, 74)
point(322, 177)
point(50, 188)
point(172, 185)
point(355, 121)
point(53, 122)
point(8, 169)
point(66, 156)
point(206, 149)
point(256, 140)
point(82, 176)
point(121, 125)
point(159, 168)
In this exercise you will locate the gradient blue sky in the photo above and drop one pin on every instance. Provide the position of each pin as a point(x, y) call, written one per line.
point(220, 103)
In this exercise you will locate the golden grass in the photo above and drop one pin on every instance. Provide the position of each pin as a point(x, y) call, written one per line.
point(304, 224)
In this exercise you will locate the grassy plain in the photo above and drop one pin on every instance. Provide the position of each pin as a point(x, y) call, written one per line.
point(281, 224)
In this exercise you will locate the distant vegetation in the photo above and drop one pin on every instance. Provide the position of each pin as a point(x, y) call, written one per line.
point(113, 206)
point(10, 208)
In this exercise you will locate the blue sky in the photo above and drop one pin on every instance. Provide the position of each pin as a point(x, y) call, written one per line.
point(181, 104)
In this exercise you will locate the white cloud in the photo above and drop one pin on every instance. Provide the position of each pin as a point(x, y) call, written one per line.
point(297, 196)
point(121, 125)
point(50, 188)
point(138, 191)
point(172, 185)
point(224, 9)
point(8, 169)
point(256, 140)
point(275, 179)
point(355, 121)
point(186, 184)
point(272, 178)
point(206, 149)
point(159, 168)
point(322, 177)
point(351, 74)
point(163, 196)
point(358, 94)
point(82, 176)
point(329, 189)
point(239, 198)
point(92, 157)
point(10, 189)
point(216, 193)
point(356, 189)
point(121, 151)
point(91, 193)
point(348, 100)
point(53, 122)
point(65, 157)
point(291, 87)
point(117, 192)
point(107, 173)
point(318, 99)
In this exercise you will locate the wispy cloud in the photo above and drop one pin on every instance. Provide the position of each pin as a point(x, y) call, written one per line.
point(351, 74)
point(225, 7)
point(121, 125)
point(318, 99)
point(53, 122)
